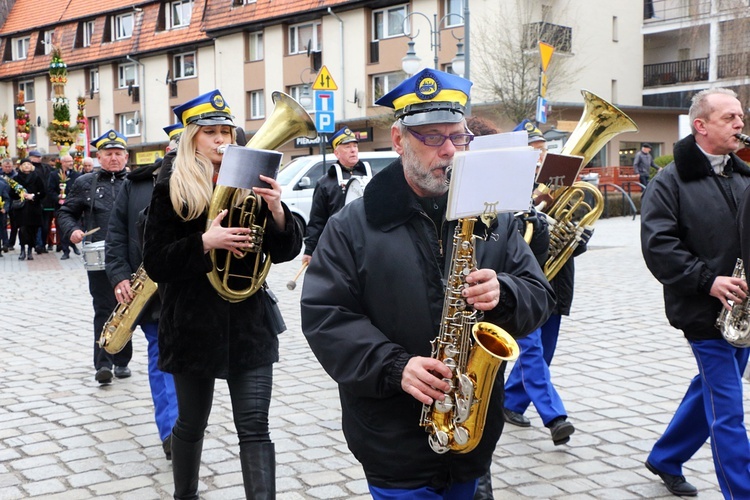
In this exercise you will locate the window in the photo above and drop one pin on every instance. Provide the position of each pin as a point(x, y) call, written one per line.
point(387, 23)
point(184, 65)
point(27, 87)
point(382, 84)
point(297, 91)
point(93, 81)
point(93, 123)
point(88, 33)
point(304, 37)
point(123, 26)
point(129, 124)
point(257, 105)
point(255, 46)
point(32, 137)
point(615, 30)
point(20, 47)
point(179, 13)
point(46, 41)
point(454, 7)
point(560, 37)
point(127, 75)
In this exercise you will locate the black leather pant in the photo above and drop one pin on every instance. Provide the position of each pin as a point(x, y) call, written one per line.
point(250, 392)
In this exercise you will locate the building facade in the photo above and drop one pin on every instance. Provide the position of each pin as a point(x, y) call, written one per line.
point(135, 61)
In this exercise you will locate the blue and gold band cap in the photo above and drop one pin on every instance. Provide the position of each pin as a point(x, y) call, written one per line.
point(343, 136)
point(206, 109)
point(430, 96)
point(111, 139)
point(174, 130)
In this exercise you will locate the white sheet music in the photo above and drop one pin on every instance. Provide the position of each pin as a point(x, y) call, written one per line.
point(499, 180)
point(505, 140)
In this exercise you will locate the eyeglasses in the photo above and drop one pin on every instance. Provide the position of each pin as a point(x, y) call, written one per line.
point(437, 140)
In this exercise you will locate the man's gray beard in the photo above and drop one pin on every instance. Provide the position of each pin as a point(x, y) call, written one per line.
point(434, 186)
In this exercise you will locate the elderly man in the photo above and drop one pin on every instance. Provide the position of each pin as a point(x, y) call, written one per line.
point(373, 296)
point(643, 163)
point(329, 194)
point(87, 208)
point(690, 242)
point(58, 185)
point(87, 166)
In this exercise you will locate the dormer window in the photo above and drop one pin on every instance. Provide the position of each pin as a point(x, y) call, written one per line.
point(20, 48)
point(178, 13)
point(122, 26)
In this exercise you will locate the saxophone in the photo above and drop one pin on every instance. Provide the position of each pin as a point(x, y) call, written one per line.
point(735, 325)
point(119, 327)
point(472, 350)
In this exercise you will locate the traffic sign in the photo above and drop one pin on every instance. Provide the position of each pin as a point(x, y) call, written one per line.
point(324, 80)
point(541, 110)
point(324, 100)
point(324, 122)
point(545, 51)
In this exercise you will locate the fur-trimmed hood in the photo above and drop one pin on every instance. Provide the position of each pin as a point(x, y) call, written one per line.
point(691, 164)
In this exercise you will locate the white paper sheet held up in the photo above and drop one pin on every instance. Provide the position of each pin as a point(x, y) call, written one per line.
point(499, 180)
point(502, 140)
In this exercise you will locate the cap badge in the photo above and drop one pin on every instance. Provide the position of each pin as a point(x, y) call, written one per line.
point(218, 102)
point(428, 87)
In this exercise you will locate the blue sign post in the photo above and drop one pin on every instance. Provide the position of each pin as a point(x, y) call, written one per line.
point(324, 109)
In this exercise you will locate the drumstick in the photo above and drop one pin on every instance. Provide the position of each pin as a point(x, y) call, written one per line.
point(90, 232)
point(293, 284)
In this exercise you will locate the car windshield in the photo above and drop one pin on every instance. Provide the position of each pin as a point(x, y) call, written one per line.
point(287, 173)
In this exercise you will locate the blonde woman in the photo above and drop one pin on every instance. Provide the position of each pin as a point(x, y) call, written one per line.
point(203, 337)
point(29, 217)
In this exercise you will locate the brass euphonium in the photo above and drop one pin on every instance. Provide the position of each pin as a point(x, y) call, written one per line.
point(569, 213)
point(288, 120)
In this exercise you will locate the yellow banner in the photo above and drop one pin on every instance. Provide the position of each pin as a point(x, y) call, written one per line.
point(148, 157)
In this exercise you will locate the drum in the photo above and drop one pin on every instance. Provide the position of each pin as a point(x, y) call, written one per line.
point(92, 255)
point(354, 189)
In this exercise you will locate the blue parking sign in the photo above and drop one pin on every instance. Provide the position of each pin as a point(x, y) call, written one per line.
point(324, 122)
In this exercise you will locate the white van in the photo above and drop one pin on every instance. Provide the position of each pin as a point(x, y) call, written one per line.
point(299, 176)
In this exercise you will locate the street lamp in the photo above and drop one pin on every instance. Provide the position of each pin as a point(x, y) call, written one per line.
point(305, 99)
point(411, 62)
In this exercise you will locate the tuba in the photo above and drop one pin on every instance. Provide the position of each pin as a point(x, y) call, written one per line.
point(735, 325)
point(288, 120)
point(119, 327)
point(572, 211)
point(472, 350)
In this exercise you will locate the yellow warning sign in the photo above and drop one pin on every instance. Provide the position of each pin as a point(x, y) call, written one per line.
point(545, 50)
point(324, 80)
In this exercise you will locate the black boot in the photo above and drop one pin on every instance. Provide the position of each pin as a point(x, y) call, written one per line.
point(258, 470)
point(22, 255)
point(484, 488)
point(186, 464)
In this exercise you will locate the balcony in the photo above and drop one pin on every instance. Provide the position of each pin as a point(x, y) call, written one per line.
point(734, 65)
point(668, 73)
point(674, 10)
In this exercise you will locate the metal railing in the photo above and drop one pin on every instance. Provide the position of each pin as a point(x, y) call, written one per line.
point(667, 73)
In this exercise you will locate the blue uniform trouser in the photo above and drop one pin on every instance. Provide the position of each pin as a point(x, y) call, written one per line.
point(458, 491)
point(529, 380)
point(162, 385)
point(712, 407)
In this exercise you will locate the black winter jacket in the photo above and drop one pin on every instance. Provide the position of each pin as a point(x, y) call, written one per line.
point(53, 185)
point(328, 198)
point(31, 212)
point(689, 235)
point(123, 250)
point(373, 298)
point(200, 333)
point(76, 212)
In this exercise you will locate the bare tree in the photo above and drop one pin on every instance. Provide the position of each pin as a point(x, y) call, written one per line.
point(507, 59)
point(5, 6)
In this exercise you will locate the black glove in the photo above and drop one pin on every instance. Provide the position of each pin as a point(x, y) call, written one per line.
point(584, 235)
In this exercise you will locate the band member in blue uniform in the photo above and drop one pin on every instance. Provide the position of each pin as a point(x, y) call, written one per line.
point(373, 296)
point(329, 196)
point(86, 210)
point(690, 243)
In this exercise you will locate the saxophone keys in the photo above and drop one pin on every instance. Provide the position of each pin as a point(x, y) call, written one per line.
point(463, 410)
point(461, 435)
point(444, 406)
point(439, 442)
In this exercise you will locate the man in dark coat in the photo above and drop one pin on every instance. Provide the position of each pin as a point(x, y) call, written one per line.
point(690, 244)
point(86, 208)
point(330, 190)
point(42, 171)
point(373, 297)
point(59, 184)
point(643, 163)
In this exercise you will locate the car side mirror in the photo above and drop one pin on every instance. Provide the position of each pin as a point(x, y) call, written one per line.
point(304, 183)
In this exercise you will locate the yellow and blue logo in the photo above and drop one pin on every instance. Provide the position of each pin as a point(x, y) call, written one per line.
point(430, 96)
point(110, 139)
point(206, 109)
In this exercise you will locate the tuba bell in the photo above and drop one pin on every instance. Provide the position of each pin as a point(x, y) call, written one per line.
point(288, 120)
point(577, 207)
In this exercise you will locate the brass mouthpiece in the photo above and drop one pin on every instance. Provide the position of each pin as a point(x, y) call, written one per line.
point(745, 139)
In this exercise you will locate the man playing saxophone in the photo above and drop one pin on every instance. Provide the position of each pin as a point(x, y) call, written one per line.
point(373, 297)
point(690, 244)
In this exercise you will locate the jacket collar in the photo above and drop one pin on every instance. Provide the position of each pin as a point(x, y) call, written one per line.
point(691, 164)
point(358, 168)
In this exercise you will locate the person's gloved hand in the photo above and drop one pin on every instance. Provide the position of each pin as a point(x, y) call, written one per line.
point(583, 235)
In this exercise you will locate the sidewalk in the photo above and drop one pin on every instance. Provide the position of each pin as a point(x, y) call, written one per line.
point(620, 368)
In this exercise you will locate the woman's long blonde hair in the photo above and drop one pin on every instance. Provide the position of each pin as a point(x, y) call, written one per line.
point(191, 184)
